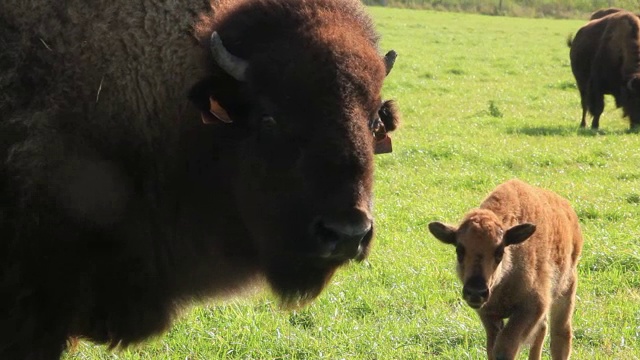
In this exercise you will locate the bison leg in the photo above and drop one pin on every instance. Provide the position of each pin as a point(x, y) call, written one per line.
point(536, 345)
point(561, 332)
point(492, 327)
point(583, 103)
point(43, 347)
point(518, 329)
point(596, 106)
point(583, 123)
point(29, 329)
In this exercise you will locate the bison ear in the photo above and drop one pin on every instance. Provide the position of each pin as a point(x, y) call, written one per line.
point(217, 111)
point(442, 232)
point(518, 233)
point(390, 115)
point(390, 59)
point(211, 109)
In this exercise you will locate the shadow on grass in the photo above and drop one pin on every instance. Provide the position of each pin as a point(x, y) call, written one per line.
point(563, 85)
point(591, 132)
point(566, 131)
point(543, 131)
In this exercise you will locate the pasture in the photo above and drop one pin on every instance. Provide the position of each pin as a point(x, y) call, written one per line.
point(484, 99)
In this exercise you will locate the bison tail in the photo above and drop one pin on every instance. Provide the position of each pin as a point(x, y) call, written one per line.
point(569, 40)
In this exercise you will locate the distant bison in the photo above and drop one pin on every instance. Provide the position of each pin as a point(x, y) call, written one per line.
point(604, 12)
point(517, 257)
point(159, 152)
point(605, 60)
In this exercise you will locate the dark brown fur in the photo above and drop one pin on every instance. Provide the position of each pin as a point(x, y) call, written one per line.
point(605, 59)
point(517, 258)
point(605, 12)
point(600, 13)
point(118, 205)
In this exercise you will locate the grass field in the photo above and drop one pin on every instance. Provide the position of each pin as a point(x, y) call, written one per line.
point(484, 99)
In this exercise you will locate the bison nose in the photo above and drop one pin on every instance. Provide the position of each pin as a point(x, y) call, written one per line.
point(341, 237)
point(475, 292)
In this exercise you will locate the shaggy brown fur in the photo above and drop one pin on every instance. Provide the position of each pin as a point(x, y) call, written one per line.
point(118, 205)
point(517, 258)
point(605, 59)
point(604, 12)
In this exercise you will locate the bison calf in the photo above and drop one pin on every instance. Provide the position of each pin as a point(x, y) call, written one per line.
point(517, 257)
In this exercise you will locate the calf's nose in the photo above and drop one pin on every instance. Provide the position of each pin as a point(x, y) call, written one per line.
point(340, 236)
point(468, 291)
point(475, 292)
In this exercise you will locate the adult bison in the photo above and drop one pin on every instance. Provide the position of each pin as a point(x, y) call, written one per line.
point(158, 152)
point(605, 12)
point(605, 60)
point(600, 13)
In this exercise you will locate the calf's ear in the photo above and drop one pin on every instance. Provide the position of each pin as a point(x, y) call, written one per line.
point(442, 232)
point(518, 233)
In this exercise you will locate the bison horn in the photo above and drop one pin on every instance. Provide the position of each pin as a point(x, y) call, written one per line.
point(389, 60)
point(630, 83)
point(233, 65)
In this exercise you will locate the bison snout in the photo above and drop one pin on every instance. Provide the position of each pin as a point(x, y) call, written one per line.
point(475, 292)
point(342, 237)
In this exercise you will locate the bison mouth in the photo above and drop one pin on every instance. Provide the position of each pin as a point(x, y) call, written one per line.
point(330, 250)
point(298, 278)
point(340, 238)
point(475, 292)
point(474, 303)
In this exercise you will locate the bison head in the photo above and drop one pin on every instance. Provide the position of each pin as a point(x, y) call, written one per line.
point(297, 118)
point(480, 245)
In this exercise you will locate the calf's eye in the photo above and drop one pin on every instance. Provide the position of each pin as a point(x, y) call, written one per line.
point(499, 253)
point(460, 253)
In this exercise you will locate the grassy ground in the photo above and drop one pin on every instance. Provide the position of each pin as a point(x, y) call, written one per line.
point(558, 9)
point(484, 99)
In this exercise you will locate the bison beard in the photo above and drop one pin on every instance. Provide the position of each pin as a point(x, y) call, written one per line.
point(309, 277)
point(145, 166)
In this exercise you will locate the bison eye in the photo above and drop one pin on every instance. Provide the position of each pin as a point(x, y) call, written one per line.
point(499, 253)
point(460, 253)
point(268, 127)
point(268, 120)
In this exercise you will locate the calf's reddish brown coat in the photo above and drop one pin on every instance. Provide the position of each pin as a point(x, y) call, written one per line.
point(517, 257)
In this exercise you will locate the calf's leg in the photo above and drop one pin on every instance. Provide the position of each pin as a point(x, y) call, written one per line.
point(492, 327)
point(561, 331)
point(518, 329)
point(538, 340)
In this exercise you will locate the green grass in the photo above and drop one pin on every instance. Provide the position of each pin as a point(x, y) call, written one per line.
point(567, 9)
point(484, 99)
